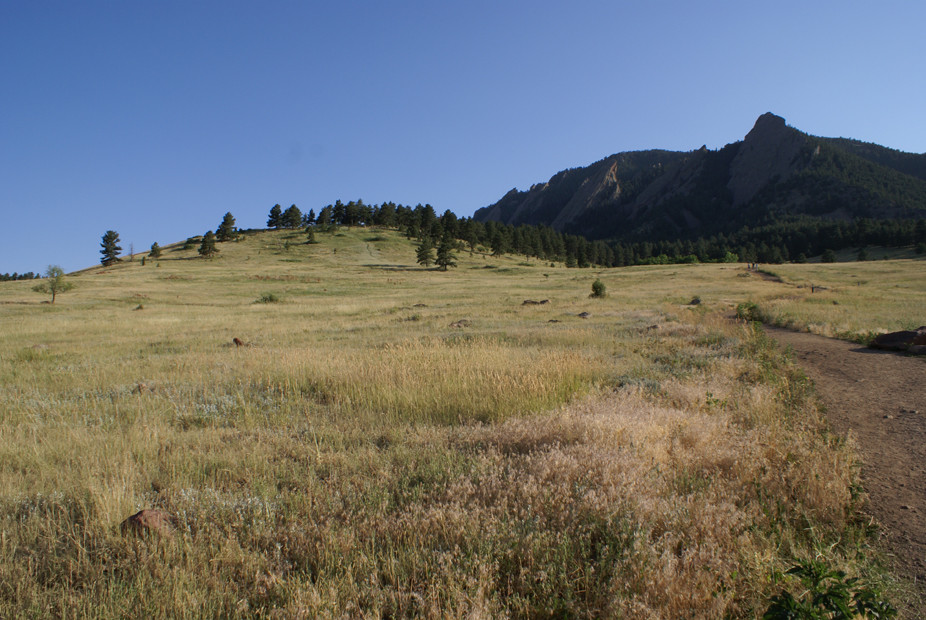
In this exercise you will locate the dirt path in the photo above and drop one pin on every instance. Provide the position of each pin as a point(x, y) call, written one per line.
point(881, 397)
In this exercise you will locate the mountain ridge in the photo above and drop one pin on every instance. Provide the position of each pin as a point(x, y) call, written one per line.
point(776, 170)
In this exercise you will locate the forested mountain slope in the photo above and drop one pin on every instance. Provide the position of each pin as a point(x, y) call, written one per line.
point(775, 172)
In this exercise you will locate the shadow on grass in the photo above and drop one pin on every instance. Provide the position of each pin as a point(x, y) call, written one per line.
point(398, 267)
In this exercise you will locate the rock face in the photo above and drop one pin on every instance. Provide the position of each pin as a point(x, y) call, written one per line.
point(910, 341)
point(768, 152)
point(149, 521)
point(774, 170)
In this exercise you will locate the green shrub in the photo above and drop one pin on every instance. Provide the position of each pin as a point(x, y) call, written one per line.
point(827, 593)
point(268, 298)
point(599, 289)
point(749, 311)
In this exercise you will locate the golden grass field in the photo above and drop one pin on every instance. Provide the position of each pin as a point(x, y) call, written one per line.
point(362, 457)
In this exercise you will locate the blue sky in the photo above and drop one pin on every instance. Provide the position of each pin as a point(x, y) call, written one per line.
point(154, 118)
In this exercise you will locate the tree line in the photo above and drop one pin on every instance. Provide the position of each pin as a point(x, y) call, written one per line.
point(9, 277)
point(790, 238)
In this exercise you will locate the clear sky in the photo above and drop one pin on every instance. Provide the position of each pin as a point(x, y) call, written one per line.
point(154, 117)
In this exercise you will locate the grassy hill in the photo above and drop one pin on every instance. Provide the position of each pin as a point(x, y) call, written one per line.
point(396, 441)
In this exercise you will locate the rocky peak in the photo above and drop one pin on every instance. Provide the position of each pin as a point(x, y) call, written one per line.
point(767, 153)
point(767, 123)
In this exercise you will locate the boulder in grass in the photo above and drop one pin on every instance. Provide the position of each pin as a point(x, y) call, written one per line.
point(912, 341)
point(149, 521)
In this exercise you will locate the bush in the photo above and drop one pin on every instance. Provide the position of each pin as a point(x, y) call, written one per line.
point(828, 593)
point(598, 289)
point(268, 298)
point(749, 311)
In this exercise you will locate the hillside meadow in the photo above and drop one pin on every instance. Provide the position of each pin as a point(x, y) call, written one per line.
point(393, 441)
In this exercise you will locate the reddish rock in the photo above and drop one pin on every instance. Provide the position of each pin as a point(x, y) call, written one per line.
point(149, 521)
point(906, 340)
point(894, 341)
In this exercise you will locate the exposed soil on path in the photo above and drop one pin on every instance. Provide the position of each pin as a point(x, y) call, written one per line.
point(881, 397)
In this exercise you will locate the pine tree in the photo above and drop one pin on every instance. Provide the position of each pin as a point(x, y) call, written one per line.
point(54, 282)
point(919, 231)
point(445, 257)
point(111, 249)
point(226, 230)
point(323, 221)
point(155, 250)
point(310, 234)
point(207, 249)
point(276, 217)
point(498, 243)
point(292, 218)
point(425, 252)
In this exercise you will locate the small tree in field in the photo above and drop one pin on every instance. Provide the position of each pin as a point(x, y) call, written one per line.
point(226, 230)
point(599, 289)
point(155, 252)
point(310, 234)
point(207, 249)
point(111, 249)
point(54, 283)
point(425, 252)
point(445, 257)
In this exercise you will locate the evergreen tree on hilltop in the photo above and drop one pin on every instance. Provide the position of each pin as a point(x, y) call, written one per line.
point(111, 248)
point(155, 250)
point(445, 256)
point(324, 219)
point(425, 252)
point(207, 249)
point(292, 218)
point(226, 230)
point(276, 217)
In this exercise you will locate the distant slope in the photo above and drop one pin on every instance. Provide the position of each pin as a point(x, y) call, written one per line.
point(908, 163)
point(775, 170)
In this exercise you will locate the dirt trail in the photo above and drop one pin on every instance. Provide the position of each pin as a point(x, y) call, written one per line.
point(875, 394)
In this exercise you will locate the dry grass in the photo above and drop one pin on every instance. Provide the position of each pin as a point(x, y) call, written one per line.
point(853, 301)
point(361, 457)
